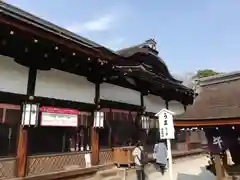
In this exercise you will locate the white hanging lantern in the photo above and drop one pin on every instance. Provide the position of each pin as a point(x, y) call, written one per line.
point(98, 119)
point(30, 113)
point(145, 122)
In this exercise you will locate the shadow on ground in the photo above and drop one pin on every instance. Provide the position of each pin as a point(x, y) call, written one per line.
point(204, 175)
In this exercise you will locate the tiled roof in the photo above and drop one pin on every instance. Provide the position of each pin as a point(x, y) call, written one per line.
point(217, 100)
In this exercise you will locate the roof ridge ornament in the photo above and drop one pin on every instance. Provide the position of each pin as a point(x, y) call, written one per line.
point(151, 43)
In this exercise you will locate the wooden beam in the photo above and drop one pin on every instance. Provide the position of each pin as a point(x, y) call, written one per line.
point(57, 38)
point(10, 106)
point(199, 123)
point(22, 152)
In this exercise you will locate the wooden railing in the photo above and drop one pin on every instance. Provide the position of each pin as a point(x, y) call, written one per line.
point(42, 164)
point(106, 156)
point(7, 168)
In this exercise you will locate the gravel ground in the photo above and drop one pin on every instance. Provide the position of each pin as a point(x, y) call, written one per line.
point(189, 168)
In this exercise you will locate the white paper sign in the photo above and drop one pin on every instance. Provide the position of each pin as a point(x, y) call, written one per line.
point(62, 120)
point(166, 126)
point(88, 160)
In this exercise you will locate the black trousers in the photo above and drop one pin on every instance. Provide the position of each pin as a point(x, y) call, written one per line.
point(140, 173)
point(162, 167)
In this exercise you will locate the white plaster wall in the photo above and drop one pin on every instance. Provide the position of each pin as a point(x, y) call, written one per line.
point(119, 94)
point(176, 107)
point(203, 137)
point(66, 86)
point(154, 103)
point(13, 76)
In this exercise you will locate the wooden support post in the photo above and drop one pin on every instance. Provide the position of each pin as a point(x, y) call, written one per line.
point(22, 152)
point(187, 140)
point(95, 132)
point(110, 137)
point(95, 146)
point(219, 167)
point(142, 100)
point(110, 129)
point(142, 134)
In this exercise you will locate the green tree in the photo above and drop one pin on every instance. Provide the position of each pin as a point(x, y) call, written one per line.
point(206, 73)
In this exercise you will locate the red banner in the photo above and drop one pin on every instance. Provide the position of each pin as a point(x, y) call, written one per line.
point(59, 110)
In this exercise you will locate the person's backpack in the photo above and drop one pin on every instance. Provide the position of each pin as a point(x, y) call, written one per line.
point(143, 156)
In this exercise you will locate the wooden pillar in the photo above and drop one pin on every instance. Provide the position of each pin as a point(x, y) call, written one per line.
point(22, 152)
point(187, 140)
point(95, 147)
point(142, 100)
point(142, 135)
point(95, 132)
point(110, 129)
point(219, 167)
point(167, 104)
point(22, 148)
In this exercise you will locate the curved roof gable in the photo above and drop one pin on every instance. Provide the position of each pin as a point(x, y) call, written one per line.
point(147, 54)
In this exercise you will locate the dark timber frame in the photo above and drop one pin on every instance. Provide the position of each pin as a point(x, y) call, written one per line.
point(23, 131)
point(53, 47)
point(95, 134)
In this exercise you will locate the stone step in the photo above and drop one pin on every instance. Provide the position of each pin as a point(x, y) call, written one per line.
point(110, 173)
point(113, 178)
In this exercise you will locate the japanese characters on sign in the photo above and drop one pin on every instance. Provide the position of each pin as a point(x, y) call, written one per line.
point(61, 117)
point(215, 141)
point(166, 126)
point(220, 140)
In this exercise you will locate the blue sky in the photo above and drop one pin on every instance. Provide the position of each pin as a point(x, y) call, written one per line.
point(191, 34)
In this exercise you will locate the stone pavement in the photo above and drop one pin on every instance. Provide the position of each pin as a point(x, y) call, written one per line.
point(185, 168)
point(179, 157)
point(189, 168)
